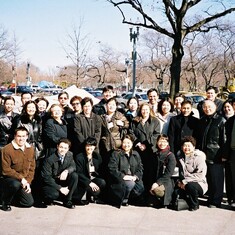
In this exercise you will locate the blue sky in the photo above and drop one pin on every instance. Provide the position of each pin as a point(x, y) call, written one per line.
point(41, 24)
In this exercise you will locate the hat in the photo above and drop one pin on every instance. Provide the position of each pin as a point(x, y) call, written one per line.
point(159, 191)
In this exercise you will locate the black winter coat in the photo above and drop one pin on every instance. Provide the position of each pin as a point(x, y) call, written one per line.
point(180, 127)
point(212, 138)
point(165, 163)
point(82, 165)
point(52, 133)
point(52, 168)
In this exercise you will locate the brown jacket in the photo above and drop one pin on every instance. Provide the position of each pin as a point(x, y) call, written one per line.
point(18, 164)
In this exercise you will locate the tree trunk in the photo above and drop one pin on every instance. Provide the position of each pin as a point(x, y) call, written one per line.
point(175, 69)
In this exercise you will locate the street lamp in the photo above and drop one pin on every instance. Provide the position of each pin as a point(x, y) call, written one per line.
point(133, 38)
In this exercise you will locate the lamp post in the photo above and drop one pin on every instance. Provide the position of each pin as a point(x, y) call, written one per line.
point(133, 38)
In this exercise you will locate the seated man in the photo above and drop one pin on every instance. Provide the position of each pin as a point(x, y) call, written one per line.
point(18, 165)
point(59, 175)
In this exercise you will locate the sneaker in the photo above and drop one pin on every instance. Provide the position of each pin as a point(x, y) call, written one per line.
point(232, 204)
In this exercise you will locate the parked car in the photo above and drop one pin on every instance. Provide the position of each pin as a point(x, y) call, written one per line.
point(6, 93)
point(96, 94)
point(21, 89)
point(142, 97)
point(195, 99)
point(231, 95)
point(51, 89)
point(35, 88)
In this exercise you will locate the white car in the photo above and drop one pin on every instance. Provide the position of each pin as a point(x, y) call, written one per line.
point(142, 97)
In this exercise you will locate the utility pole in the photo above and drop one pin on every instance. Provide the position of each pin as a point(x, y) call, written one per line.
point(133, 38)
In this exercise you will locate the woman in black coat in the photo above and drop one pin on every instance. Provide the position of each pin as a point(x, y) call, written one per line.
point(126, 170)
point(55, 129)
point(88, 165)
point(145, 129)
point(164, 163)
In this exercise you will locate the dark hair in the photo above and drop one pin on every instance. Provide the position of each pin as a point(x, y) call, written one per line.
point(159, 107)
point(42, 99)
point(8, 98)
point(112, 99)
point(91, 141)
point(212, 88)
point(163, 136)
point(64, 140)
point(75, 98)
point(63, 93)
point(186, 102)
point(230, 101)
point(128, 137)
point(107, 88)
point(25, 115)
point(133, 98)
point(151, 90)
point(22, 94)
point(20, 128)
point(179, 95)
point(86, 100)
point(188, 139)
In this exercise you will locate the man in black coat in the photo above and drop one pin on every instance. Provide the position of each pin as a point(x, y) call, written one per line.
point(59, 175)
point(211, 141)
point(184, 124)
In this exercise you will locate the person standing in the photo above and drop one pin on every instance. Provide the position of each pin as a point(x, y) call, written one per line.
point(18, 165)
point(210, 95)
point(184, 124)
point(211, 140)
point(153, 99)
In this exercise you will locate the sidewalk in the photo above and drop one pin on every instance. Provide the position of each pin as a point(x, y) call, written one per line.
point(105, 219)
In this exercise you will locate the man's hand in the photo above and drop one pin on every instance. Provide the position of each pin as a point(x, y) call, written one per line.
point(27, 188)
point(64, 190)
point(24, 182)
point(64, 175)
point(129, 177)
point(94, 186)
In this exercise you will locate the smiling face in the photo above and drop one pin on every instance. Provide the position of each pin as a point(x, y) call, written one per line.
point(162, 143)
point(209, 107)
point(62, 148)
point(188, 148)
point(56, 112)
point(42, 105)
point(133, 105)
point(89, 149)
point(186, 109)
point(166, 107)
point(31, 109)
point(127, 145)
point(153, 97)
point(21, 137)
point(9, 105)
point(87, 108)
point(145, 111)
point(111, 106)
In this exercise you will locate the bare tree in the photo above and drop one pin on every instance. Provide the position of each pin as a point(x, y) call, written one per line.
point(180, 23)
point(5, 44)
point(76, 50)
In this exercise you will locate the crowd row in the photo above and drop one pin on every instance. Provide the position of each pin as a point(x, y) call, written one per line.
point(116, 155)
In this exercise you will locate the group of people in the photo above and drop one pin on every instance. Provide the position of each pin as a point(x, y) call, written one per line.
point(143, 154)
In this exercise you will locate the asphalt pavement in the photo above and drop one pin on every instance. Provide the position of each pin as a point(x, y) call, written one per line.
point(105, 219)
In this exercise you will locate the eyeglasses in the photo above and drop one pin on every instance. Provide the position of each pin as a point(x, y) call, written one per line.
point(77, 103)
point(63, 98)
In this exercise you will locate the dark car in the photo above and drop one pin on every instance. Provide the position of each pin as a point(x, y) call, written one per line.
point(231, 95)
point(195, 99)
point(21, 89)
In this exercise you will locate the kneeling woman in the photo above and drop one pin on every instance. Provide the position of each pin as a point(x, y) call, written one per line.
point(126, 170)
point(193, 169)
point(89, 181)
point(164, 164)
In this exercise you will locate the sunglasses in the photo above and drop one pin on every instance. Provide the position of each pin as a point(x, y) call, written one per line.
point(77, 103)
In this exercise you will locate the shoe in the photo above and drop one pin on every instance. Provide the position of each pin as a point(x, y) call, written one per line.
point(6, 207)
point(49, 202)
point(69, 205)
point(125, 202)
point(214, 206)
point(232, 204)
point(40, 205)
point(83, 202)
point(193, 208)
